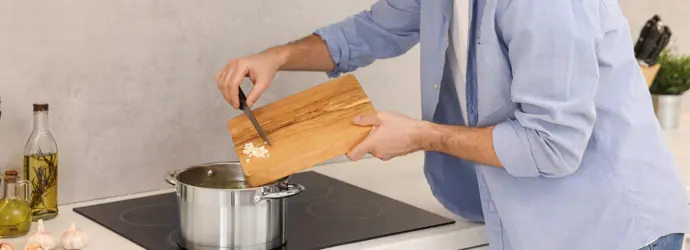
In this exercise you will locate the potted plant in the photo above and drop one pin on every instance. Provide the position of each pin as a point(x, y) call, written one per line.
point(672, 80)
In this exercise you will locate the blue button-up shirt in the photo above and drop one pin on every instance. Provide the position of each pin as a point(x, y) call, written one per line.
point(585, 162)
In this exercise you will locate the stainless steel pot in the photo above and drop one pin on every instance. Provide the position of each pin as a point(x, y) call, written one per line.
point(218, 211)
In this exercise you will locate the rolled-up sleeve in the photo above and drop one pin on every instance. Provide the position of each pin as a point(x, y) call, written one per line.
point(552, 52)
point(390, 28)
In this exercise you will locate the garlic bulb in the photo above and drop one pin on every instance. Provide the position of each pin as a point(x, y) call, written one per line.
point(6, 246)
point(74, 238)
point(34, 246)
point(45, 239)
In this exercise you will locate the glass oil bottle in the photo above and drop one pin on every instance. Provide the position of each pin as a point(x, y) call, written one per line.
point(15, 212)
point(41, 166)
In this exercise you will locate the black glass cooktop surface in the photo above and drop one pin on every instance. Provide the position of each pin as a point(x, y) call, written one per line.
point(328, 213)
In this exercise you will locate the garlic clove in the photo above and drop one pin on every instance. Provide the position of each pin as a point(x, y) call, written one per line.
point(251, 150)
point(43, 238)
point(6, 246)
point(34, 246)
point(74, 238)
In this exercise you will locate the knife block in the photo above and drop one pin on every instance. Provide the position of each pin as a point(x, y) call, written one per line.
point(650, 73)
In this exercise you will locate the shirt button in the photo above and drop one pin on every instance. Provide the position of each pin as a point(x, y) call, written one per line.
point(436, 86)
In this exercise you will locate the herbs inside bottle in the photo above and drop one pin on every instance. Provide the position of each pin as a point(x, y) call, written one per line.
point(41, 166)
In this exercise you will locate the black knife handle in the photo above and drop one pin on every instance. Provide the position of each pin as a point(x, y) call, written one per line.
point(663, 41)
point(644, 35)
point(243, 99)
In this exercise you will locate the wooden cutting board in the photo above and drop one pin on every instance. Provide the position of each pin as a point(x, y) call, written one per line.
point(305, 129)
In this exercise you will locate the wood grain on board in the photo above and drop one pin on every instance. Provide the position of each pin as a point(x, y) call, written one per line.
point(305, 129)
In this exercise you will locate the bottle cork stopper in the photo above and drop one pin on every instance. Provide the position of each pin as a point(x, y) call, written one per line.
point(40, 107)
point(11, 173)
point(11, 176)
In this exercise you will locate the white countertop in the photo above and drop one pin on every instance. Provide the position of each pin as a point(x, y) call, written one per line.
point(401, 179)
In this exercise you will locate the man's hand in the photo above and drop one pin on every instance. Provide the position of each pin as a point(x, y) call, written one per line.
point(392, 135)
point(261, 69)
point(307, 54)
point(395, 135)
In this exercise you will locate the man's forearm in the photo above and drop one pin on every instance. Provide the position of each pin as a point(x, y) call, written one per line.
point(472, 144)
point(307, 54)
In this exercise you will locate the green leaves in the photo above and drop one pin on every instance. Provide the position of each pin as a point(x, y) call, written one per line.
point(673, 77)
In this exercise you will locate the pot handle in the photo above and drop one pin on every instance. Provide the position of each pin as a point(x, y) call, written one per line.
point(287, 190)
point(170, 178)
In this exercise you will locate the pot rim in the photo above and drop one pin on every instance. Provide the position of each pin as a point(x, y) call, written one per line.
point(173, 175)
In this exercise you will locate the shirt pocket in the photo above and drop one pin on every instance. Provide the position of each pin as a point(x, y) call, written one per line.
point(493, 79)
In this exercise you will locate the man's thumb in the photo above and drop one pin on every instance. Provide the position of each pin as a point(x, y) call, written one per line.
point(367, 120)
point(255, 93)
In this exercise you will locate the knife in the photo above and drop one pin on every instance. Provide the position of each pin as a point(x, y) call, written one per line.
point(663, 41)
point(248, 112)
point(650, 31)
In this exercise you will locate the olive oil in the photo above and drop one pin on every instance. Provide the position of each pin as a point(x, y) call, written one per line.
point(41, 167)
point(15, 212)
point(42, 172)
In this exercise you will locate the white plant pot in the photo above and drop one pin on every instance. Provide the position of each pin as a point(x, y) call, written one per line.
point(667, 110)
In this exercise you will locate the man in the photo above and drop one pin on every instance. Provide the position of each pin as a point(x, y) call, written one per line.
point(547, 135)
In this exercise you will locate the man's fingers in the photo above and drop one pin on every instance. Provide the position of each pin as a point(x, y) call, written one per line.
point(259, 87)
point(225, 85)
point(367, 120)
point(234, 82)
point(372, 129)
point(220, 75)
point(363, 148)
point(360, 150)
point(255, 93)
point(219, 79)
point(222, 85)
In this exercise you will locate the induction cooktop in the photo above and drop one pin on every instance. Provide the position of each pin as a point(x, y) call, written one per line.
point(328, 213)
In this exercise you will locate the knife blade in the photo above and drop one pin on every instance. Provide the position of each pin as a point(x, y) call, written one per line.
point(248, 112)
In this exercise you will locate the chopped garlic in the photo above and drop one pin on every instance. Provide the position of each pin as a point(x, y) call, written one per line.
point(254, 151)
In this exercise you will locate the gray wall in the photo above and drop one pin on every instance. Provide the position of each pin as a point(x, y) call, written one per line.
point(130, 82)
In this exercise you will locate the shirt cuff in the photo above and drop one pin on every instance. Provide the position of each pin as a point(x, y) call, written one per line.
point(512, 147)
point(337, 46)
